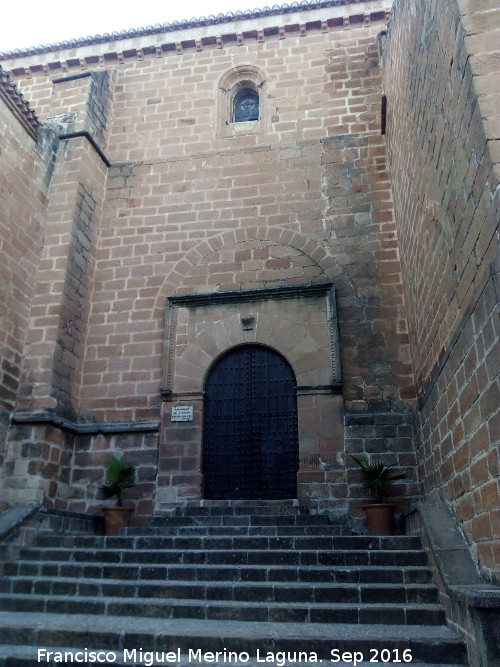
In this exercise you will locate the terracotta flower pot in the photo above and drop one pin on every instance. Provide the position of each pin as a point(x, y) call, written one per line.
point(380, 518)
point(116, 518)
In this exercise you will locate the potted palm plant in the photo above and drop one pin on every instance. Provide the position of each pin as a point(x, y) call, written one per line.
point(378, 478)
point(120, 475)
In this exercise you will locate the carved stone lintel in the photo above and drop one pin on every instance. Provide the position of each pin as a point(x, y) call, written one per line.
point(247, 296)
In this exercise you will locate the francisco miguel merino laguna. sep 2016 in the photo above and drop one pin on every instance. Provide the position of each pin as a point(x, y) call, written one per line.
point(278, 658)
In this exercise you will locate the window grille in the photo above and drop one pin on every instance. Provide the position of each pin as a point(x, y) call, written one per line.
point(246, 106)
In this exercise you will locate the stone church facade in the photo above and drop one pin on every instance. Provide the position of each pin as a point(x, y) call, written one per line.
point(241, 248)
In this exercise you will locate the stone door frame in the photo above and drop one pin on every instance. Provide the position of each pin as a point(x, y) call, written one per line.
point(298, 322)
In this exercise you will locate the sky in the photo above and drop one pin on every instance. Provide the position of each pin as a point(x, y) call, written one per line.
point(25, 23)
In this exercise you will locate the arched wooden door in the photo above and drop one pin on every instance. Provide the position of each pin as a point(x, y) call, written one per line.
point(250, 437)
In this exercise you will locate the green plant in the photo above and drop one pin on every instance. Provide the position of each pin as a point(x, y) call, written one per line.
point(378, 477)
point(120, 475)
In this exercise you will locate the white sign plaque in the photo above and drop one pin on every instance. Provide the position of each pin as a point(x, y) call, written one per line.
point(182, 413)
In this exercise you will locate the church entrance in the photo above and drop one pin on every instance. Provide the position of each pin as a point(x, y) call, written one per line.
point(250, 446)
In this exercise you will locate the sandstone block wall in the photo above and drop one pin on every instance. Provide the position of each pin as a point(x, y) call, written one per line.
point(441, 84)
point(194, 204)
point(58, 320)
point(25, 169)
point(39, 458)
point(155, 193)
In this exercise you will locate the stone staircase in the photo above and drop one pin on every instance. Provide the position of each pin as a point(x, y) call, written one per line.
point(251, 579)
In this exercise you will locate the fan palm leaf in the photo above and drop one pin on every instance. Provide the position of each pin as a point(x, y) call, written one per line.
point(378, 477)
point(120, 475)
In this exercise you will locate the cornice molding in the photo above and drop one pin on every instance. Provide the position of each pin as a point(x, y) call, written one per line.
point(247, 296)
point(183, 24)
point(87, 428)
point(195, 35)
point(90, 139)
point(18, 105)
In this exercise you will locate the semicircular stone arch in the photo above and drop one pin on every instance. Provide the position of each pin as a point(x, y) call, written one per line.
point(291, 258)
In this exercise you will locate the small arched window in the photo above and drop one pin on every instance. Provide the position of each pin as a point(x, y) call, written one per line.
point(243, 102)
point(246, 106)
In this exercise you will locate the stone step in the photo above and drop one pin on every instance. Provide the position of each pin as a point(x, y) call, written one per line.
point(27, 656)
point(190, 556)
point(435, 644)
point(241, 520)
point(231, 610)
point(266, 509)
point(243, 503)
point(227, 577)
point(219, 543)
point(212, 573)
point(365, 593)
point(237, 530)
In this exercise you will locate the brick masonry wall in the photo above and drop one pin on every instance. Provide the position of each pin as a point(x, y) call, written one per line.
point(92, 452)
point(318, 83)
point(23, 202)
point(37, 466)
point(291, 185)
point(440, 84)
point(302, 197)
point(56, 341)
point(390, 438)
point(481, 23)
point(59, 313)
point(40, 457)
point(81, 103)
point(308, 232)
point(265, 210)
point(307, 177)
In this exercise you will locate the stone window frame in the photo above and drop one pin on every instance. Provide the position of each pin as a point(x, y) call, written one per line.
point(230, 84)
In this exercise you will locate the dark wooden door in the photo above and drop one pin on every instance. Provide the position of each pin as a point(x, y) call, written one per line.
point(250, 441)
